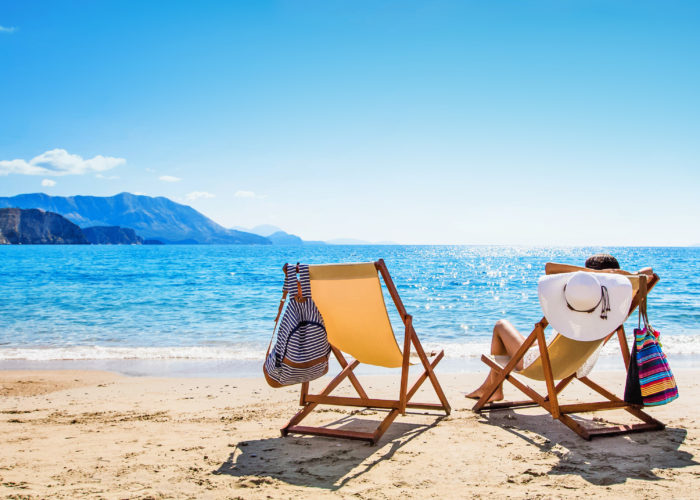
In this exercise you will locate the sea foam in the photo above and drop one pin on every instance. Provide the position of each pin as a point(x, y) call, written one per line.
point(671, 344)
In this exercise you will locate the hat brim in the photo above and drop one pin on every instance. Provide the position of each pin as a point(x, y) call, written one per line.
point(580, 325)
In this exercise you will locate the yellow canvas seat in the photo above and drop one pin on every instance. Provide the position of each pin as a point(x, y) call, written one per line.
point(560, 360)
point(351, 302)
point(566, 356)
point(350, 299)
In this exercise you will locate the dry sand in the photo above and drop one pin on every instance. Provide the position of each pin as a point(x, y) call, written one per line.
point(72, 434)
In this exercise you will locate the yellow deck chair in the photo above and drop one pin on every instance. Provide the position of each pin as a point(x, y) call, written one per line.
point(350, 299)
point(560, 360)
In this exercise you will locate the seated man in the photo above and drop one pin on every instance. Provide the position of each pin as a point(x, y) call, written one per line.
point(507, 339)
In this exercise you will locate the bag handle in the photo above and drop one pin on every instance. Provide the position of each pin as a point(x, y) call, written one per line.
point(642, 309)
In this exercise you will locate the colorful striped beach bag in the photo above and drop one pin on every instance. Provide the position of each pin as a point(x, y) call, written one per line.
point(649, 378)
point(656, 381)
point(300, 353)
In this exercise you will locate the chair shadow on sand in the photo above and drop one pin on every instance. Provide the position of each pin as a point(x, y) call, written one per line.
point(318, 461)
point(602, 461)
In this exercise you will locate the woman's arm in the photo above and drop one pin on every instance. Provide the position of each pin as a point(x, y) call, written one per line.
point(646, 270)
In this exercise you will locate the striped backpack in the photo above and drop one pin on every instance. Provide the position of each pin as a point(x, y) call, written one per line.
point(300, 353)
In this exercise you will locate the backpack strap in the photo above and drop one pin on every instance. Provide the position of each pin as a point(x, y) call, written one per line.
point(304, 281)
point(290, 279)
point(301, 288)
point(290, 284)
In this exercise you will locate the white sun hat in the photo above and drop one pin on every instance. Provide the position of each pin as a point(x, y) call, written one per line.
point(583, 305)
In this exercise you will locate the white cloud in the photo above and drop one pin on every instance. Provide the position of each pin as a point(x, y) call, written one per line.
point(7, 29)
point(196, 195)
point(48, 183)
point(169, 178)
point(245, 194)
point(108, 177)
point(58, 162)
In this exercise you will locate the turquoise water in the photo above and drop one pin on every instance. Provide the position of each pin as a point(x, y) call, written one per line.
point(219, 302)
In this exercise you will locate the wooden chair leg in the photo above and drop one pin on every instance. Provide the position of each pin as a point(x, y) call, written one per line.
point(304, 392)
point(419, 381)
point(548, 377)
point(385, 425)
point(408, 323)
point(328, 389)
point(353, 378)
point(429, 369)
point(564, 382)
point(637, 412)
point(623, 346)
point(575, 426)
point(370, 437)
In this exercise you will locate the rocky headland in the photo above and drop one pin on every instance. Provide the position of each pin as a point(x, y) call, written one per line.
point(37, 227)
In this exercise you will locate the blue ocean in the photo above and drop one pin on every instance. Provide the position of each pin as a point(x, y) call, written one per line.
point(219, 302)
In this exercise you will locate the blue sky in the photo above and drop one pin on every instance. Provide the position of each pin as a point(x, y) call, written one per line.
point(514, 122)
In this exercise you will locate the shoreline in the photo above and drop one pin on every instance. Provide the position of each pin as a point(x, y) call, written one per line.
point(227, 368)
point(99, 434)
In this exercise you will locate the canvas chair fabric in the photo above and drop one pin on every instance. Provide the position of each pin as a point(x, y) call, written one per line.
point(350, 299)
point(567, 356)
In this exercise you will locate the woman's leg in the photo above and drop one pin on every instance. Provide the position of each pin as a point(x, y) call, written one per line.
point(506, 340)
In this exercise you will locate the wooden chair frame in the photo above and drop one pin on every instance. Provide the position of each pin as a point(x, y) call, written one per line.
point(394, 407)
point(550, 402)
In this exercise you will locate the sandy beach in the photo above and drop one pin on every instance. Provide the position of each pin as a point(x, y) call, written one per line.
point(72, 434)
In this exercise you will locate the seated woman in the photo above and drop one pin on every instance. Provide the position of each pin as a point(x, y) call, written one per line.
point(507, 339)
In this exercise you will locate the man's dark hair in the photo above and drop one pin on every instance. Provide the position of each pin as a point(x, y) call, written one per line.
point(602, 261)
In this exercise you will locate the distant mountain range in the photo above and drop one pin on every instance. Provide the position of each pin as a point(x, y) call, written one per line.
point(262, 230)
point(277, 236)
point(154, 220)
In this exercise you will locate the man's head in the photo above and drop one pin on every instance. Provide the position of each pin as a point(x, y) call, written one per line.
point(602, 261)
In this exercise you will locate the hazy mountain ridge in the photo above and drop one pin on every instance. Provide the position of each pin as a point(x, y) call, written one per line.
point(263, 230)
point(152, 218)
point(281, 237)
